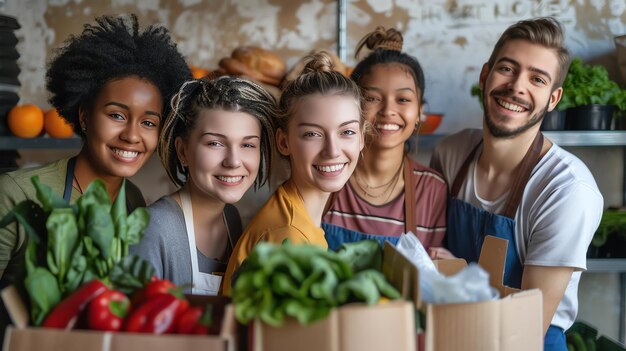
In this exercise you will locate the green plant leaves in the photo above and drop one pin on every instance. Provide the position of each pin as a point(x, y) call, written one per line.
point(590, 84)
point(70, 245)
point(137, 223)
point(362, 255)
point(131, 273)
point(62, 241)
point(99, 227)
point(306, 282)
point(44, 293)
point(48, 198)
point(613, 222)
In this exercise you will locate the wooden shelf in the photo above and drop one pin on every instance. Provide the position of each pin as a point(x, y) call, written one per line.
point(561, 138)
point(15, 143)
point(606, 265)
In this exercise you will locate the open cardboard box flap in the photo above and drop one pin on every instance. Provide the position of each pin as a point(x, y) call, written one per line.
point(404, 275)
point(511, 323)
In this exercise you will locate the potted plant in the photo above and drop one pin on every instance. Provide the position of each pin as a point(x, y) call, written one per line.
point(609, 240)
point(590, 97)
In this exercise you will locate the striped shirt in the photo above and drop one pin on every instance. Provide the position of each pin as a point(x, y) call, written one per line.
point(351, 211)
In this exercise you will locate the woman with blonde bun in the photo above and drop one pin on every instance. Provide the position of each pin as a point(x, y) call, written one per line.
point(320, 131)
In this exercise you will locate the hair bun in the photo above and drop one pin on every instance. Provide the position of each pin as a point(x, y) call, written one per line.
point(381, 38)
point(320, 61)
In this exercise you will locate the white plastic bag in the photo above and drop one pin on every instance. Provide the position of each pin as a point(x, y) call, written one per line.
point(469, 285)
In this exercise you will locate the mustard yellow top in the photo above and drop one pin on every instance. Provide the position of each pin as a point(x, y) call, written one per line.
point(282, 217)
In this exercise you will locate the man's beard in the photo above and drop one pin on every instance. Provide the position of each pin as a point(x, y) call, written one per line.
point(504, 133)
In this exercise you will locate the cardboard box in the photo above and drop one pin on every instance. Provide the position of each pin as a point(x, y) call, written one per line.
point(352, 327)
point(513, 322)
point(22, 338)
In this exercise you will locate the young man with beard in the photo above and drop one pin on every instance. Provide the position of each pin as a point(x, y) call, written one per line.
point(509, 181)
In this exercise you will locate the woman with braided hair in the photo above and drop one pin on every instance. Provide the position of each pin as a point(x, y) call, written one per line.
point(389, 193)
point(216, 143)
point(111, 83)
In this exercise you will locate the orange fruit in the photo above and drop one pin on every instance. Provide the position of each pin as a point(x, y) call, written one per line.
point(25, 121)
point(56, 126)
point(198, 72)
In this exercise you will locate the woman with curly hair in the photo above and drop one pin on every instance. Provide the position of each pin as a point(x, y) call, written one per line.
point(112, 83)
point(217, 142)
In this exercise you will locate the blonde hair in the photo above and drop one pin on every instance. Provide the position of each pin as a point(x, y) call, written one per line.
point(317, 77)
point(225, 93)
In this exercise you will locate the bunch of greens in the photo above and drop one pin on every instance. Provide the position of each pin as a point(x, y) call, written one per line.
point(613, 222)
point(72, 244)
point(590, 84)
point(306, 282)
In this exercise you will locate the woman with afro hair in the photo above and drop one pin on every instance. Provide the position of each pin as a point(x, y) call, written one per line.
point(113, 83)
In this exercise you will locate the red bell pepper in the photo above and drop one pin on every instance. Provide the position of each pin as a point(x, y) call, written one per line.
point(154, 287)
point(65, 314)
point(196, 320)
point(106, 312)
point(156, 315)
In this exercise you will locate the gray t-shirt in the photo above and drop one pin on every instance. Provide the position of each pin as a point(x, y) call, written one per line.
point(165, 243)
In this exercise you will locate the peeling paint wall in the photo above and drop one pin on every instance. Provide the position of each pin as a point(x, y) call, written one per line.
point(451, 39)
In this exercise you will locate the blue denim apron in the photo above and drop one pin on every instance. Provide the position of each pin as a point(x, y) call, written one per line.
point(468, 225)
point(69, 179)
point(336, 235)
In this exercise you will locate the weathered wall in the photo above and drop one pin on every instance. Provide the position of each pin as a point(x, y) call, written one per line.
point(452, 39)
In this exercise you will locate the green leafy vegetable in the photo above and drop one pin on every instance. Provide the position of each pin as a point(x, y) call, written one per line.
point(590, 84)
point(131, 273)
point(361, 255)
point(306, 282)
point(613, 222)
point(62, 241)
point(44, 293)
point(70, 245)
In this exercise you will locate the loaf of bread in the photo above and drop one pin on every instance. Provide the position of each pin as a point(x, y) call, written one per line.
point(266, 62)
point(256, 63)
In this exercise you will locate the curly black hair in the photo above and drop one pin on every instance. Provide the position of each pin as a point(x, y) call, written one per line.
point(112, 49)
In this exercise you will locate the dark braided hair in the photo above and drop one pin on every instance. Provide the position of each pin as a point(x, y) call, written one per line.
point(387, 49)
point(225, 93)
point(112, 49)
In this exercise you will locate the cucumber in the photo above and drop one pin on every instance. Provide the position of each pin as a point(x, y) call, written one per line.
point(576, 341)
point(591, 344)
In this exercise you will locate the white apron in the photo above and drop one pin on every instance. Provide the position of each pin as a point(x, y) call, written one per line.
point(202, 283)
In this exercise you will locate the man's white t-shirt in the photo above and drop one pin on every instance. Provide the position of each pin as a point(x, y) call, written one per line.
point(559, 212)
